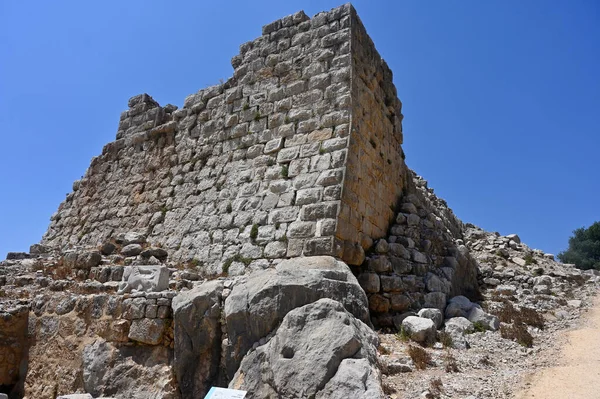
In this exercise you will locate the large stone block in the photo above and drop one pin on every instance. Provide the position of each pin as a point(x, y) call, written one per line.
point(145, 279)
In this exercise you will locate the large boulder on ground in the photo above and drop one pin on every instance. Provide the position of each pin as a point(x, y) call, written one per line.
point(458, 306)
point(197, 330)
point(260, 301)
point(455, 329)
point(486, 320)
point(320, 351)
point(419, 329)
point(434, 315)
point(135, 372)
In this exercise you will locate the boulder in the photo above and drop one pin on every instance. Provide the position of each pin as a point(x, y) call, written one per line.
point(197, 335)
point(458, 306)
point(435, 300)
point(456, 328)
point(82, 259)
point(74, 396)
point(147, 278)
point(514, 237)
point(156, 252)
point(258, 302)
point(419, 329)
point(131, 250)
point(488, 321)
point(108, 248)
point(133, 372)
point(519, 261)
point(133, 237)
point(321, 351)
point(434, 315)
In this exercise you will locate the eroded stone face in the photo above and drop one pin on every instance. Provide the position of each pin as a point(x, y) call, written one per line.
point(144, 279)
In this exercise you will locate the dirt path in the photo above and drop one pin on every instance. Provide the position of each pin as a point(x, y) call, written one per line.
point(577, 371)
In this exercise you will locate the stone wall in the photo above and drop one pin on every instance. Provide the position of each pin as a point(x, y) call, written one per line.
point(421, 262)
point(297, 154)
point(67, 329)
point(375, 169)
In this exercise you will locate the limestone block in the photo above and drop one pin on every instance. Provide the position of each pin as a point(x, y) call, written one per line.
point(147, 331)
point(145, 279)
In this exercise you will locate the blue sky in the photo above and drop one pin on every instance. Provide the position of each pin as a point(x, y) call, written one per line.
point(501, 98)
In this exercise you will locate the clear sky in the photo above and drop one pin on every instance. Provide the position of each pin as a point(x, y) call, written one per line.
point(501, 98)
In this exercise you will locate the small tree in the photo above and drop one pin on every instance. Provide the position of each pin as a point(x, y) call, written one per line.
point(584, 248)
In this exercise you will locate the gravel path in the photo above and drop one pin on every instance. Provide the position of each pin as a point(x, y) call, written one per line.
point(577, 370)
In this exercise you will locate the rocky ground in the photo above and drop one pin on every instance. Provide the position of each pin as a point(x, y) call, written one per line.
point(494, 365)
point(482, 348)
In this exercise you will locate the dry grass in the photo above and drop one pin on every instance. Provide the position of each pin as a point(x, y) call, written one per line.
point(436, 387)
point(383, 350)
point(450, 363)
point(517, 332)
point(532, 318)
point(520, 319)
point(419, 356)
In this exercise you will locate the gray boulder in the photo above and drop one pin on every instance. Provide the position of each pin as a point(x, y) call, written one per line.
point(456, 328)
point(514, 237)
point(320, 350)
point(458, 306)
point(419, 329)
point(133, 372)
point(259, 302)
point(131, 250)
point(197, 335)
point(488, 321)
point(434, 315)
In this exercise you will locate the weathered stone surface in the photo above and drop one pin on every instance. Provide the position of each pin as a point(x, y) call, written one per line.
point(108, 371)
point(458, 306)
point(432, 314)
point(456, 328)
point(419, 329)
point(14, 321)
point(261, 300)
point(197, 333)
point(131, 250)
point(145, 279)
point(488, 321)
point(514, 237)
point(320, 350)
point(147, 331)
point(369, 282)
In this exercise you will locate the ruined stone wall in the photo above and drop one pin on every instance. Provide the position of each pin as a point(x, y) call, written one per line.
point(93, 338)
point(421, 262)
point(375, 169)
point(248, 169)
point(297, 154)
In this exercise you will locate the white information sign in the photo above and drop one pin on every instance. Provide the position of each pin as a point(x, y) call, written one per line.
point(224, 393)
